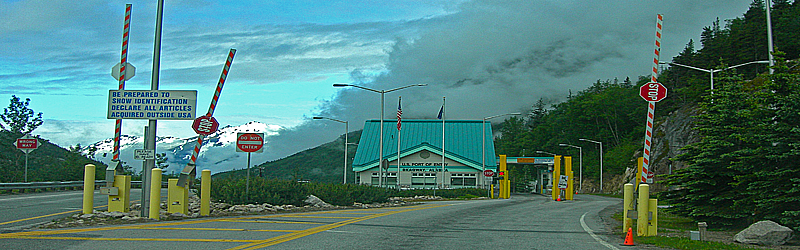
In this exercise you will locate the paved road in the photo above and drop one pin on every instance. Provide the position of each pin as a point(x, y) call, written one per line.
point(523, 222)
point(27, 210)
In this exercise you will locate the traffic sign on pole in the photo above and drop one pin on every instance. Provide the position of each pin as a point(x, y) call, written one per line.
point(129, 72)
point(653, 92)
point(250, 142)
point(488, 173)
point(26, 143)
point(205, 125)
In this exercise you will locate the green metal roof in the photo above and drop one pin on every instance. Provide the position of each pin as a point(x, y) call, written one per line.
point(462, 142)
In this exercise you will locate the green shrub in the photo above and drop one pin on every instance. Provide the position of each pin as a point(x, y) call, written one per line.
point(288, 192)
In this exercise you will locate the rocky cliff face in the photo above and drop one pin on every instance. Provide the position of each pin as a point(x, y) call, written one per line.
point(677, 130)
point(671, 133)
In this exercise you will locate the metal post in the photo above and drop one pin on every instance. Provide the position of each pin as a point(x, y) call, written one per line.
point(769, 38)
point(601, 167)
point(580, 183)
point(483, 152)
point(153, 124)
point(247, 182)
point(346, 130)
point(145, 181)
point(380, 150)
point(26, 166)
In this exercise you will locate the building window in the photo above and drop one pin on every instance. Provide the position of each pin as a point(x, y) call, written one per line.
point(463, 180)
point(423, 180)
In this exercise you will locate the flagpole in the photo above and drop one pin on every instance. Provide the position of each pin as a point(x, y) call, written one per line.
point(399, 114)
point(443, 116)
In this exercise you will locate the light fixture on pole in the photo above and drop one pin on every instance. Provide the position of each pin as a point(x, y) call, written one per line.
point(380, 149)
point(601, 160)
point(580, 173)
point(712, 71)
point(544, 152)
point(346, 130)
point(483, 140)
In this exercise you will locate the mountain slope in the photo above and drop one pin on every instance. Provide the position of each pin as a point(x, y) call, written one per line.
point(218, 152)
point(49, 162)
point(320, 164)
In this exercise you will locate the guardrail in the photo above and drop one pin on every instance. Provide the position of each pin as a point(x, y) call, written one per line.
point(59, 185)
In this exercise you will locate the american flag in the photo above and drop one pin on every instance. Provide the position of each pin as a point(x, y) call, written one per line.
point(399, 113)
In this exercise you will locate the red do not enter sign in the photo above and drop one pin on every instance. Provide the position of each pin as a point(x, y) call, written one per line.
point(250, 142)
point(653, 92)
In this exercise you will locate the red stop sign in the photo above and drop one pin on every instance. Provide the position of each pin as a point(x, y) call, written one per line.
point(488, 173)
point(653, 92)
point(205, 125)
point(249, 142)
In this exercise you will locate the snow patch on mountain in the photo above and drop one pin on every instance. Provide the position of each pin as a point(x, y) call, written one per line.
point(218, 152)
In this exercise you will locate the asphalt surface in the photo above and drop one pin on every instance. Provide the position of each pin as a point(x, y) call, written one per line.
point(523, 222)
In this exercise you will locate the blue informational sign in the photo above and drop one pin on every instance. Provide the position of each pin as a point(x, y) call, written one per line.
point(152, 104)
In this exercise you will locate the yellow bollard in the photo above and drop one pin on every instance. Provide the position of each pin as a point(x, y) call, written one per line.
point(205, 192)
point(492, 191)
point(627, 206)
point(642, 209)
point(504, 182)
point(556, 176)
point(568, 172)
point(88, 188)
point(640, 162)
point(652, 228)
point(177, 198)
point(508, 185)
point(155, 194)
point(122, 201)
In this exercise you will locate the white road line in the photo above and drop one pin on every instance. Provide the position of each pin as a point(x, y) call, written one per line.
point(591, 233)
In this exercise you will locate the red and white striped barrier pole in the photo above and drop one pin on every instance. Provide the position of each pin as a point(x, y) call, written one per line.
point(125, 31)
point(651, 107)
point(190, 167)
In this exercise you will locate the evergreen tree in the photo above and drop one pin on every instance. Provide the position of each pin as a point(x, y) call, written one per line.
point(17, 117)
point(706, 188)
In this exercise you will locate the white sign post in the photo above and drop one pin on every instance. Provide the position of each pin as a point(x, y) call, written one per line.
point(249, 142)
point(27, 144)
point(152, 104)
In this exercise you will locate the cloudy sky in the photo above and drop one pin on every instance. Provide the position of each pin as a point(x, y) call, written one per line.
point(486, 57)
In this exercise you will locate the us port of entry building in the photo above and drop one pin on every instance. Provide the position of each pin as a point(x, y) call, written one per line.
point(420, 147)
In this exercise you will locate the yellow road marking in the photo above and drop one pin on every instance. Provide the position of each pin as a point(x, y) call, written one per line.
point(274, 221)
point(134, 239)
point(321, 217)
point(219, 229)
point(48, 215)
point(304, 233)
point(292, 234)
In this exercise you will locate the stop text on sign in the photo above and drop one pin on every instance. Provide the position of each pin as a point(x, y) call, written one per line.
point(205, 125)
point(653, 92)
point(152, 104)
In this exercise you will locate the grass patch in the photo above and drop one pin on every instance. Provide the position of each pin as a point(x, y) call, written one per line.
point(670, 222)
point(684, 243)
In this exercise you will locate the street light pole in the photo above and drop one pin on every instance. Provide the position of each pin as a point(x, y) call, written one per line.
point(346, 130)
point(545, 152)
point(483, 144)
point(601, 161)
point(580, 174)
point(712, 71)
point(382, 92)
